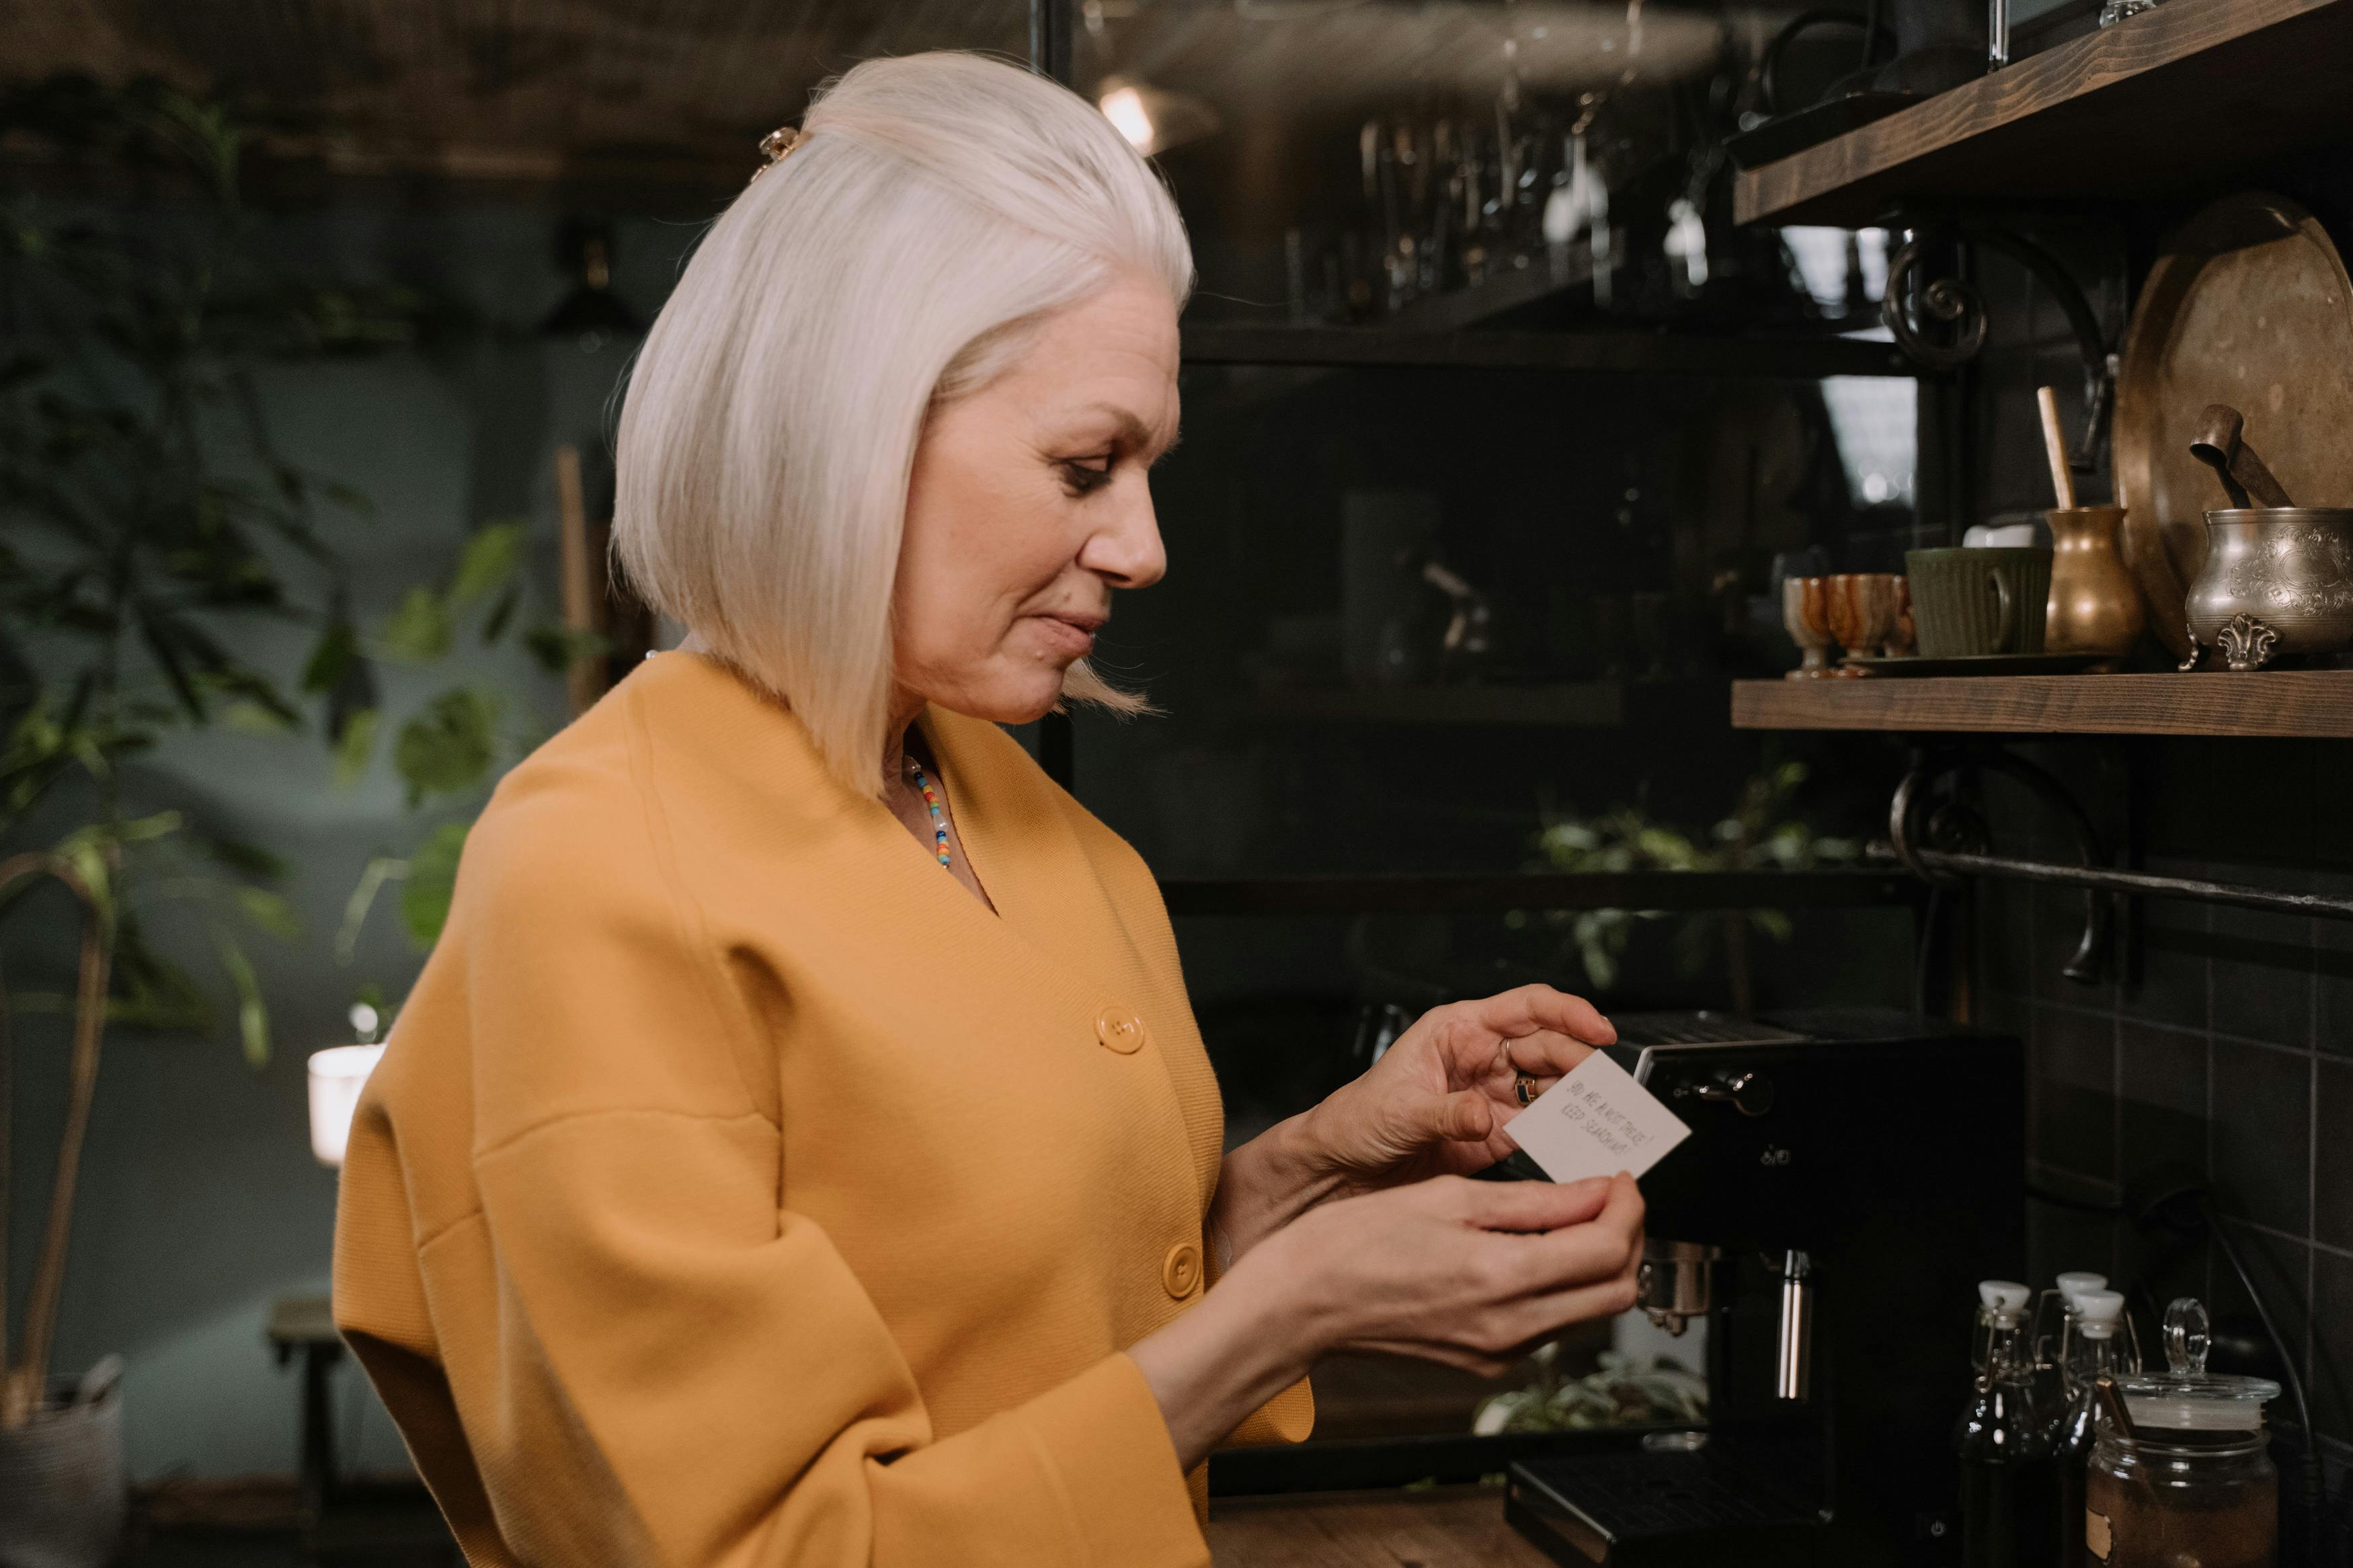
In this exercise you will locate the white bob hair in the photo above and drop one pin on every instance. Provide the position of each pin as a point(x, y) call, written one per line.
point(937, 208)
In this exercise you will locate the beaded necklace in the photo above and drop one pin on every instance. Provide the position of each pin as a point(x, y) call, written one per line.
point(939, 819)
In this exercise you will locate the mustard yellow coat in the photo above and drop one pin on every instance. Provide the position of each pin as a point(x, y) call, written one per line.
point(737, 1189)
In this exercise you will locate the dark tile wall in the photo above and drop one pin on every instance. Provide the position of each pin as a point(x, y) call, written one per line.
point(2220, 1044)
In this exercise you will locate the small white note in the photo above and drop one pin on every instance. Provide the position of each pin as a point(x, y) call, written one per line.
point(1596, 1122)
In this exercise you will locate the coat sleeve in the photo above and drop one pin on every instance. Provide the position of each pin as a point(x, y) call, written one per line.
point(684, 1375)
point(650, 1360)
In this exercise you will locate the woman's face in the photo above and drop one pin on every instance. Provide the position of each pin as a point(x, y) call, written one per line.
point(1029, 504)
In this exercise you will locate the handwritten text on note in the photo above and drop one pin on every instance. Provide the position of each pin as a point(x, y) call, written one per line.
point(1595, 1122)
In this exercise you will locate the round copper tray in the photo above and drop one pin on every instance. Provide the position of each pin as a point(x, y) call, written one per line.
point(2249, 304)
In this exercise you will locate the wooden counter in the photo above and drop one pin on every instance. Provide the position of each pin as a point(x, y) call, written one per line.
point(1445, 1526)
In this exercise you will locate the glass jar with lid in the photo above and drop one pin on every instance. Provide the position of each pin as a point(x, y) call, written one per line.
point(2191, 1484)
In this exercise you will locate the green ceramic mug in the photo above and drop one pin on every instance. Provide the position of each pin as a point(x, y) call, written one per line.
point(1968, 602)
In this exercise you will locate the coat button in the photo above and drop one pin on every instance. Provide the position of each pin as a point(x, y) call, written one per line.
point(1120, 1030)
point(1181, 1275)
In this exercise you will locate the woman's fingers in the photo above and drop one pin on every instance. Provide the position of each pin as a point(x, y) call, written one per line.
point(1541, 1318)
point(1534, 1009)
point(1533, 1029)
point(1579, 1253)
point(1544, 1055)
point(1524, 1207)
point(1464, 1117)
point(1465, 1272)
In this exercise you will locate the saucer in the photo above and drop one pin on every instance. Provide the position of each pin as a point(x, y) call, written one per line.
point(1986, 664)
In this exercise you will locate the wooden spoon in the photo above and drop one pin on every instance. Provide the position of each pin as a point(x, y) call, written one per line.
point(2054, 447)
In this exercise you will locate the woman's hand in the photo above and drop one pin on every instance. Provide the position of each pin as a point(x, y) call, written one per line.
point(1471, 1274)
point(1435, 1102)
point(1434, 1105)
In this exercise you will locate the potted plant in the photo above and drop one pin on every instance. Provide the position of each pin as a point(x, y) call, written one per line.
point(61, 1481)
point(451, 749)
point(145, 512)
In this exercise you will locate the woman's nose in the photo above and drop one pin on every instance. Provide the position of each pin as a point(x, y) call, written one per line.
point(1126, 552)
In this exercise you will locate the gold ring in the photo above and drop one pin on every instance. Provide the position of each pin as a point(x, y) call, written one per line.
point(1524, 1087)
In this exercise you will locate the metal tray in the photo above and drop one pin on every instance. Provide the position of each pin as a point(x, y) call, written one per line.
point(1984, 664)
point(2249, 304)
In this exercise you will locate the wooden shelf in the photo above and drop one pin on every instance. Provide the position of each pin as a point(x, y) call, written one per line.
point(2174, 97)
point(1624, 353)
point(2269, 703)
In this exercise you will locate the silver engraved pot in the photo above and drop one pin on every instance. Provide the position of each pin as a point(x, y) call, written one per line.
point(2277, 581)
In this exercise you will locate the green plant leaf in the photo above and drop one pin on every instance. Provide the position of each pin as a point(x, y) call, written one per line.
point(488, 560)
point(270, 911)
point(418, 631)
point(146, 829)
point(252, 1011)
point(240, 684)
point(355, 692)
point(557, 646)
point(250, 718)
point(338, 647)
point(383, 868)
point(245, 859)
point(86, 851)
point(432, 880)
point(148, 991)
point(494, 625)
point(449, 747)
point(158, 634)
point(357, 744)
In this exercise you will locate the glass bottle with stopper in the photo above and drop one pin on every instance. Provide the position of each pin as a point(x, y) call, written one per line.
point(2055, 1316)
point(2092, 1346)
point(2003, 1443)
point(2062, 1302)
point(2180, 1470)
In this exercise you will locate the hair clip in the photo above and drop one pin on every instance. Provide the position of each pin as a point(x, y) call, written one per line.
point(775, 147)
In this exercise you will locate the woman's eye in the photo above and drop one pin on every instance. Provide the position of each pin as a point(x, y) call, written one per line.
point(1085, 476)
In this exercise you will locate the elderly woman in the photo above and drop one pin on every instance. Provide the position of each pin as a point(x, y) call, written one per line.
point(799, 1150)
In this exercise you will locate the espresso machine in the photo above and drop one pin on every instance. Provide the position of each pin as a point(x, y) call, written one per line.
point(1850, 1177)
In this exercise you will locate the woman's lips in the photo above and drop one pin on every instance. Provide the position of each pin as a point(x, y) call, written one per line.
point(1072, 638)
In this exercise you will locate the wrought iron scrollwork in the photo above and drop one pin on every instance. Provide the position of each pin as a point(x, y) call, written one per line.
point(1941, 323)
point(1945, 299)
point(1939, 839)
